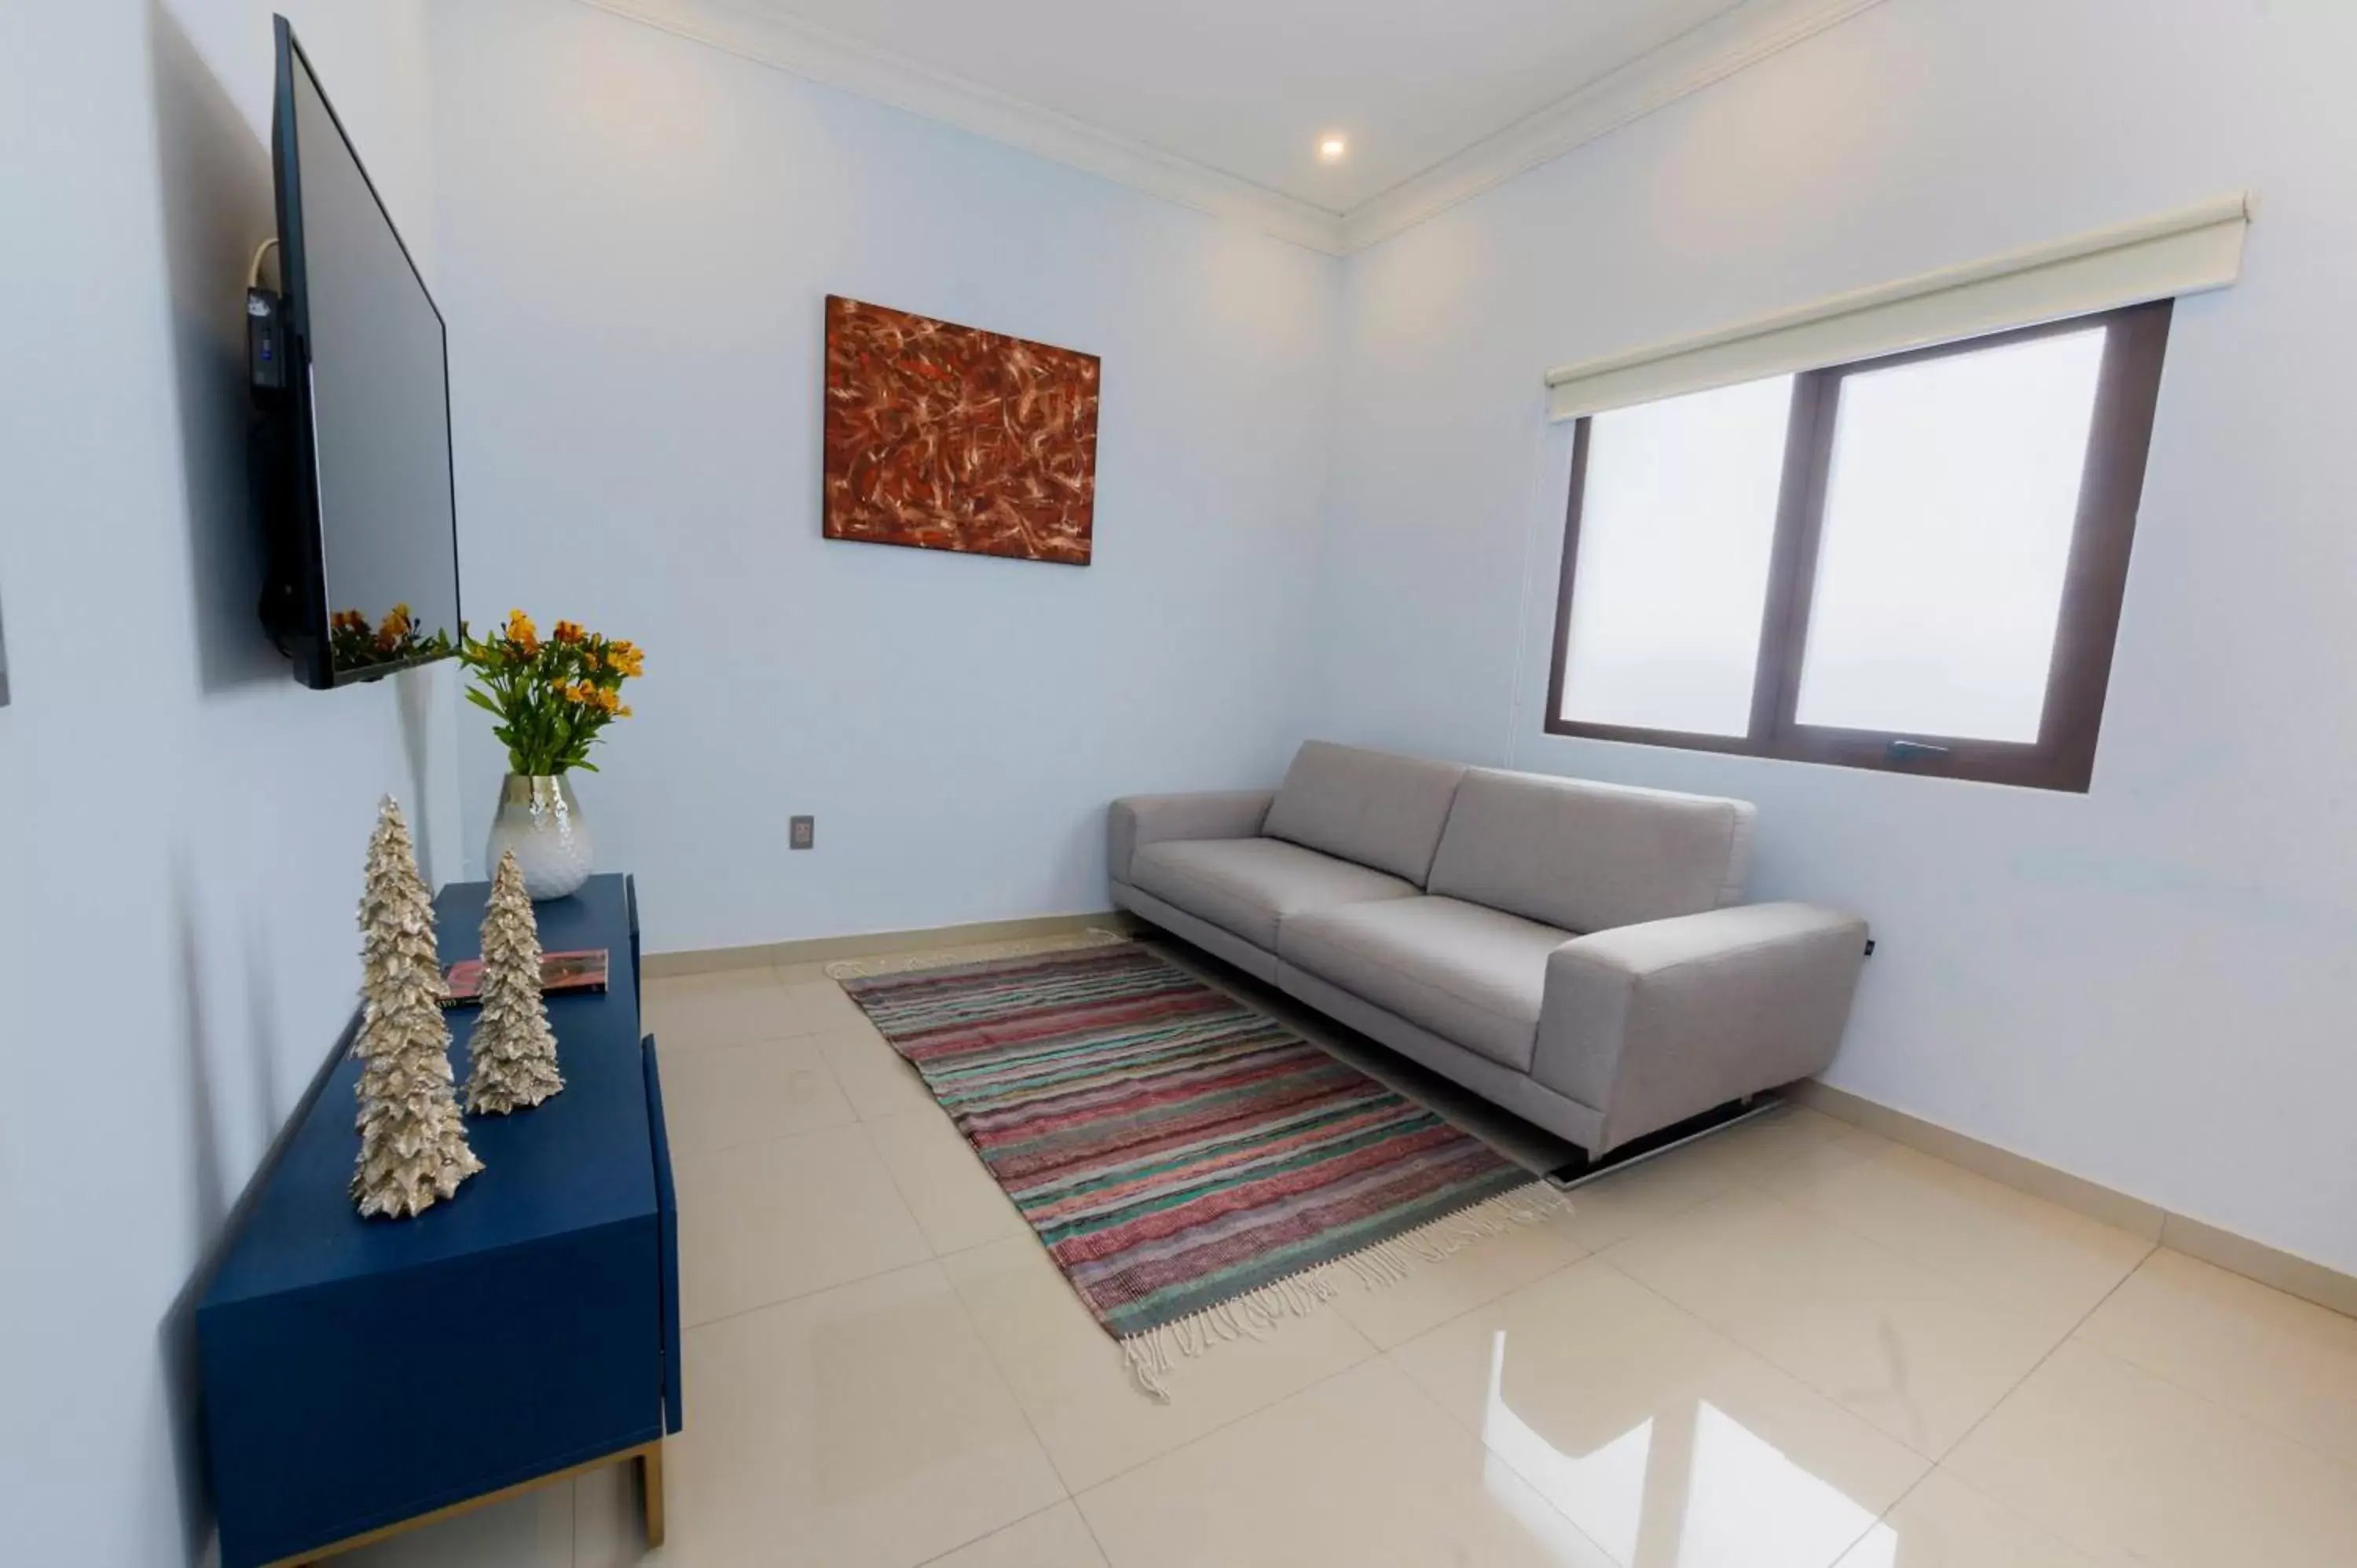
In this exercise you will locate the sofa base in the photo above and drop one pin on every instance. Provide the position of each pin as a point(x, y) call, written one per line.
point(1636, 1151)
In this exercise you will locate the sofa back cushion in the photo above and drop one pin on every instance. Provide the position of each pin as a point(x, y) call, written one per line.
point(1588, 857)
point(1368, 806)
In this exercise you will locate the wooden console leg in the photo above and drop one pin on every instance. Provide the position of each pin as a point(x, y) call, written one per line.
point(651, 1484)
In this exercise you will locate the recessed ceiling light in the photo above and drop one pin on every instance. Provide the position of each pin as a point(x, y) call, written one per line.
point(1331, 148)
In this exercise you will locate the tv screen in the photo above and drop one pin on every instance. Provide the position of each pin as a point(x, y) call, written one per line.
point(369, 556)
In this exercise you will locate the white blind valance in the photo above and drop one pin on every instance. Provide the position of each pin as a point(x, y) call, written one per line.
point(2179, 253)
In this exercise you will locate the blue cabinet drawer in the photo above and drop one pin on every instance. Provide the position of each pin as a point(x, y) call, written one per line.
point(358, 1404)
point(667, 1217)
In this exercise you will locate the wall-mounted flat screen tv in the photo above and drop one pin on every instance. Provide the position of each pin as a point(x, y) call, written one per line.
point(359, 497)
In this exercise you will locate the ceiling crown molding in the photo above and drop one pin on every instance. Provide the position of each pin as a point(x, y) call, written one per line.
point(1688, 64)
point(822, 55)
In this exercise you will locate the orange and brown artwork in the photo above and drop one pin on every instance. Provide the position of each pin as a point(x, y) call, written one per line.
point(948, 437)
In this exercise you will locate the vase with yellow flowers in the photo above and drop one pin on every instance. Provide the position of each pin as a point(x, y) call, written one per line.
point(554, 698)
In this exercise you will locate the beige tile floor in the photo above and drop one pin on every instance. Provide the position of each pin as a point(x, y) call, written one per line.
point(1793, 1346)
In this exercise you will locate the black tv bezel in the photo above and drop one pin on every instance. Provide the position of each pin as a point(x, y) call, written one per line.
point(308, 643)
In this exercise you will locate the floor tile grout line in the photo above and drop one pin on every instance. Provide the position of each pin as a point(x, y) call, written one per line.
point(1073, 1494)
point(670, 1042)
point(686, 1328)
point(1449, 1417)
point(2211, 1401)
point(1392, 1353)
point(2002, 1400)
point(1975, 1295)
point(1842, 1556)
point(990, 1359)
point(1007, 1386)
point(1104, 1552)
point(1380, 1354)
point(1435, 1326)
point(910, 1204)
point(1976, 1291)
point(990, 1354)
point(766, 1037)
point(1709, 1327)
point(1006, 1381)
point(2069, 1334)
point(690, 1154)
point(1758, 1183)
point(1374, 1354)
point(1905, 1492)
point(931, 1256)
point(1766, 1360)
point(1066, 1500)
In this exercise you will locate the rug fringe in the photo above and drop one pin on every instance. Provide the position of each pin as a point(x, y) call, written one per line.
point(1152, 1355)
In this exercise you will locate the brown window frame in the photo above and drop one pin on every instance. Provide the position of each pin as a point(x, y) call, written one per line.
point(2111, 487)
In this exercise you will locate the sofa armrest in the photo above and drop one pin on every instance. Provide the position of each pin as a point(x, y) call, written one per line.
point(1137, 821)
point(1654, 1022)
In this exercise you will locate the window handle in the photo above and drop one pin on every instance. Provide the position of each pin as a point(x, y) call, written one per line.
point(1912, 751)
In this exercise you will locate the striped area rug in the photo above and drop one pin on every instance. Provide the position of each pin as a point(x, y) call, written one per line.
point(1196, 1169)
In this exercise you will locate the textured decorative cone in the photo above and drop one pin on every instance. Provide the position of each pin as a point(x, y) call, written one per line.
point(513, 1049)
point(414, 1148)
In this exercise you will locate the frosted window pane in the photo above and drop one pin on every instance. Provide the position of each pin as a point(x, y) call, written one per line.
point(1675, 528)
point(1949, 511)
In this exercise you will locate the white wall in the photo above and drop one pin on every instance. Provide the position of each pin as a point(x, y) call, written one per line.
point(639, 233)
point(2149, 984)
point(181, 826)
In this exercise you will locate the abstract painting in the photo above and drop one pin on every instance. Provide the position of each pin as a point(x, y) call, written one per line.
point(948, 437)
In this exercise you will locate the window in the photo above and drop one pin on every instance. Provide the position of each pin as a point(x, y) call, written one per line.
point(1911, 563)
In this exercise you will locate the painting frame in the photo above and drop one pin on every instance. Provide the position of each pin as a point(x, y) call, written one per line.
point(943, 436)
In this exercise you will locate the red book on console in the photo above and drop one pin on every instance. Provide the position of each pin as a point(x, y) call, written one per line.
point(559, 972)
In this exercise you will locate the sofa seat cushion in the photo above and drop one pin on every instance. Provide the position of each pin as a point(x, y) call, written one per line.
point(1250, 885)
point(1469, 974)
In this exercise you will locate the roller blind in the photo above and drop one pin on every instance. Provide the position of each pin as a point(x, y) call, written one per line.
point(2173, 253)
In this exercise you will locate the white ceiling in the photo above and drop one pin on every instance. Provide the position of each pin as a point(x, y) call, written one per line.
point(1220, 104)
point(1247, 87)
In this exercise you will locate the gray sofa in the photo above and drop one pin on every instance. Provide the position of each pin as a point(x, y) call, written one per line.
point(1572, 952)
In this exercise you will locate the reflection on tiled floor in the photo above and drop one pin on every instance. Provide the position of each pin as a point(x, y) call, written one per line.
point(1792, 1345)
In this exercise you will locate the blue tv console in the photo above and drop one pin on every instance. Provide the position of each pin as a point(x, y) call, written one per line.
point(363, 1376)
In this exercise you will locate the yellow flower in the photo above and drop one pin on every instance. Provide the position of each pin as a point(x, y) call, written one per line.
point(626, 657)
point(623, 712)
point(568, 631)
point(578, 691)
point(609, 698)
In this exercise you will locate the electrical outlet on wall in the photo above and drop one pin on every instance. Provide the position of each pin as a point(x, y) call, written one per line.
point(801, 832)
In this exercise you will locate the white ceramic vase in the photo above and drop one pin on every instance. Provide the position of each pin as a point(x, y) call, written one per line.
point(541, 821)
